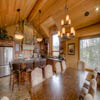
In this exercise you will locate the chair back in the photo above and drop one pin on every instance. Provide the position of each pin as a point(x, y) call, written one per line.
point(42, 63)
point(64, 66)
point(58, 67)
point(94, 74)
point(81, 65)
point(48, 71)
point(88, 97)
point(93, 87)
point(16, 67)
point(36, 76)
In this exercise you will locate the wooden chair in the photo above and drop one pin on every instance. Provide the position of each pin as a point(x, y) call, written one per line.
point(58, 67)
point(88, 97)
point(48, 71)
point(81, 65)
point(36, 76)
point(15, 75)
point(64, 66)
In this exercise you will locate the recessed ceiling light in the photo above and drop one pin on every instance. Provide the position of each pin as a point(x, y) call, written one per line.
point(97, 9)
point(86, 13)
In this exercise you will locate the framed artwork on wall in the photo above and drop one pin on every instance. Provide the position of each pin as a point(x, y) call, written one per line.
point(71, 49)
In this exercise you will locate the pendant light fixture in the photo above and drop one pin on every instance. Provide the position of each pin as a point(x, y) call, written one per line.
point(67, 31)
point(19, 28)
point(39, 38)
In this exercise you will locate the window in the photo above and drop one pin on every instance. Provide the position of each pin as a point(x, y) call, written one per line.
point(90, 52)
point(55, 45)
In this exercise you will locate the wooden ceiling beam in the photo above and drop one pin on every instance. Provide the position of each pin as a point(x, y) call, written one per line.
point(39, 4)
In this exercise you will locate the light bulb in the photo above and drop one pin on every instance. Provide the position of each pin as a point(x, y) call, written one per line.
point(97, 9)
point(62, 22)
point(68, 34)
point(72, 29)
point(67, 17)
point(63, 30)
point(69, 22)
point(61, 35)
point(58, 33)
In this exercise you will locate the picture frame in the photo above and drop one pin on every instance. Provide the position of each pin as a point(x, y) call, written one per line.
point(71, 49)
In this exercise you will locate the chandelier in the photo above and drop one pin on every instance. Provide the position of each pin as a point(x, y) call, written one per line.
point(67, 31)
point(39, 38)
point(19, 28)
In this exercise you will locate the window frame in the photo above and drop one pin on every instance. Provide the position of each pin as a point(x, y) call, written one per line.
point(83, 38)
point(52, 44)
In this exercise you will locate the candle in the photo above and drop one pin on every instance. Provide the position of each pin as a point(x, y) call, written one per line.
point(63, 30)
point(58, 33)
point(62, 22)
point(67, 17)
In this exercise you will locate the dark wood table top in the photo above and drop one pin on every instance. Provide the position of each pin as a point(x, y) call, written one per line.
point(65, 86)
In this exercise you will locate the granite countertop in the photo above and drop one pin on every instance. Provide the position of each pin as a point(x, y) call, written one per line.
point(55, 59)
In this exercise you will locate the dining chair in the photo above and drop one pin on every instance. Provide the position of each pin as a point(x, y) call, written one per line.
point(81, 65)
point(36, 76)
point(4, 98)
point(58, 67)
point(64, 66)
point(93, 87)
point(88, 97)
point(48, 71)
point(94, 74)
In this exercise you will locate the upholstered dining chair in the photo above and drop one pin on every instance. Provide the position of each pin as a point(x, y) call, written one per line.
point(48, 71)
point(81, 65)
point(64, 66)
point(88, 97)
point(94, 74)
point(36, 76)
point(58, 67)
point(93, 87)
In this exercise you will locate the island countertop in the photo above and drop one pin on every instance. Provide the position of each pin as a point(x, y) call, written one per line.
point(54, 59)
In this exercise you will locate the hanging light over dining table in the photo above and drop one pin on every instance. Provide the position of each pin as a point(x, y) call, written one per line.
point(19, 28)
point(67, 32)
point(39, 38)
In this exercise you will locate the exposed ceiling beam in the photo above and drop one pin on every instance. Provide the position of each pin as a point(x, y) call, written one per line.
point(39, 4)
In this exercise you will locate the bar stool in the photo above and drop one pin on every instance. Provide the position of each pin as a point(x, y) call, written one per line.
point(15, 75)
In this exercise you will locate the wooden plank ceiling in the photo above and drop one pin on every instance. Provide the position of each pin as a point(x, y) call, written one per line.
point(8, 13)
point(52, 12)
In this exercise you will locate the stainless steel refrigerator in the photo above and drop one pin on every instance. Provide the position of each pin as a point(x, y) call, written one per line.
point(6, 55)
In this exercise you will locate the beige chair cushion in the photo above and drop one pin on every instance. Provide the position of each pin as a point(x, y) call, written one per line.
point(93, 87)
point(58, 67)
point(48, 71)
point(36, 76)
point(64, 66)
point(88, 97)
point(81, 65)
point(4, 98)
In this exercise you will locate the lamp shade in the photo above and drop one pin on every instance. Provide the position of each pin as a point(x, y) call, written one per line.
point(39, 39)
point(19, 36)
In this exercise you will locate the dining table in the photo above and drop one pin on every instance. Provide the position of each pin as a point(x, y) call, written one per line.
point(63, 86)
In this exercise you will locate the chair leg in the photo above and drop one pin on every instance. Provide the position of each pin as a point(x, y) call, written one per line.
point(12, 82)
point(19, 80)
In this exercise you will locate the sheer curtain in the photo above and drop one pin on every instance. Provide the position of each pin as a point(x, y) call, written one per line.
point(90, 52)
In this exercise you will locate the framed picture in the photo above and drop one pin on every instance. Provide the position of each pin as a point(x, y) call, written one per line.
point(71, 49)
